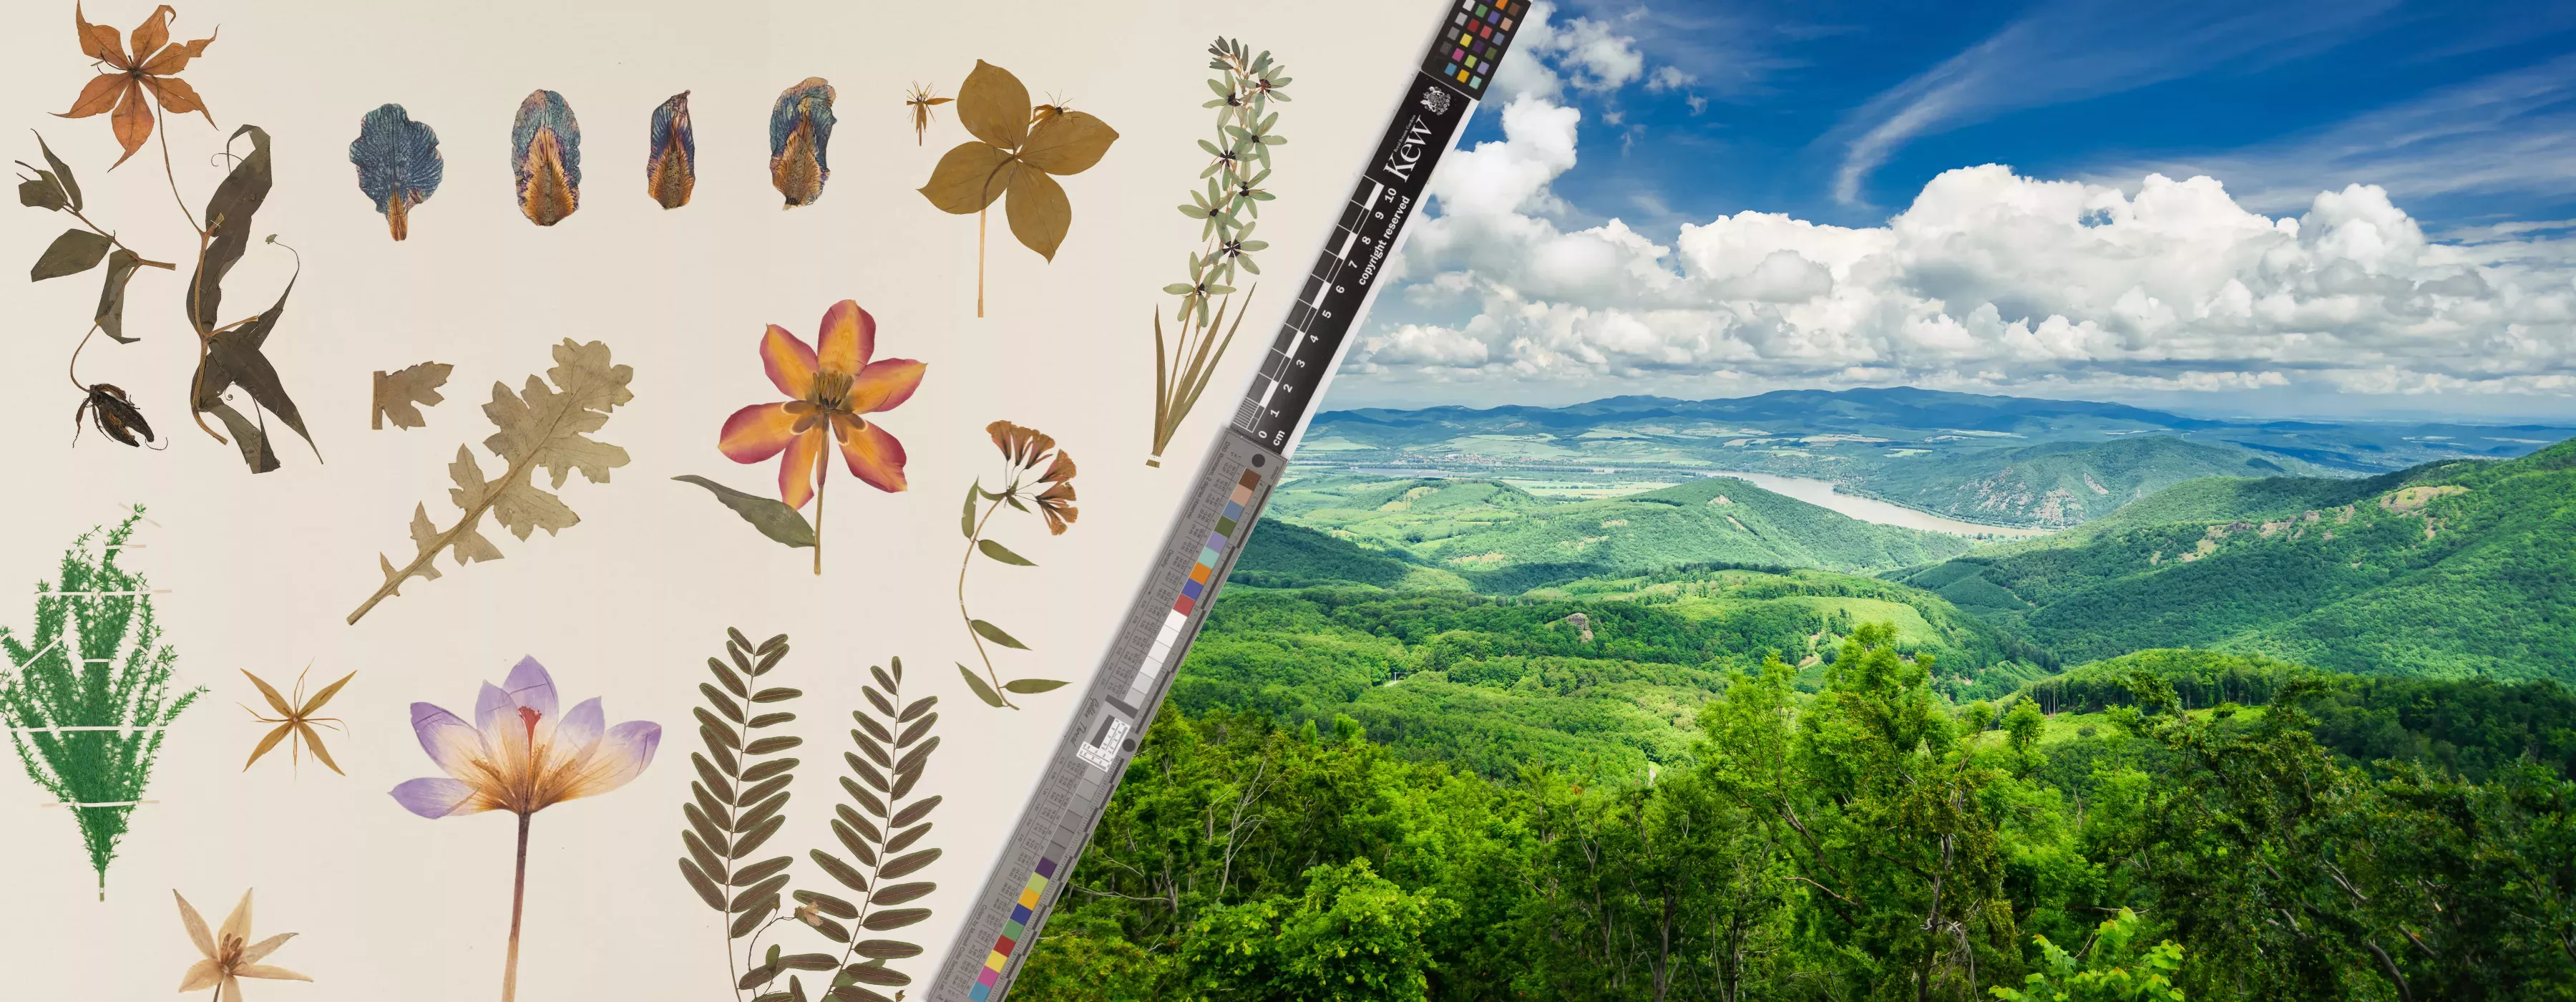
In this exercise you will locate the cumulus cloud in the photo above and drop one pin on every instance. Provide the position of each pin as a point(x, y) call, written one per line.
point(1989, 279)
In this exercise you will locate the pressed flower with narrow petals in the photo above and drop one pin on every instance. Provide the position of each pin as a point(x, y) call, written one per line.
point(124, 80)
point(829, 393)
point(229, 953)
point(520, 755)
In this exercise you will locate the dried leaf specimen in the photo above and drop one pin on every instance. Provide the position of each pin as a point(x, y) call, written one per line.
point(800, 133)
point(771, 516)
point(131, 82)
point(671, 171)
point(295, 720)
point(398, 164)
point(1015, 149)
point(229, 953)
point(737, 801)
point(921, 99)
point(894, 747)
point(107, 408)
point(1229, 208)
point(519, 755)
point(830, 393)
point(90, 694)
point(545, 157)
point(401, 395)
point(119, 89)
point(1023, 449)
point(541, 426)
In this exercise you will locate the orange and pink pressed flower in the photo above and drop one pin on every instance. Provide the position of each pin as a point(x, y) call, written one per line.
point(830, 393)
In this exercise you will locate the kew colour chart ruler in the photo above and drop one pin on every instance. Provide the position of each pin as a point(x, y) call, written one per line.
point(1232, 485)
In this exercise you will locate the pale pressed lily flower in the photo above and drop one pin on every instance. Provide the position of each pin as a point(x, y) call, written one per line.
point(230, 955)
point(520, 756)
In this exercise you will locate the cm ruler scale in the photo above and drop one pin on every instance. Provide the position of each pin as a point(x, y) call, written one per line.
point(1231, 488)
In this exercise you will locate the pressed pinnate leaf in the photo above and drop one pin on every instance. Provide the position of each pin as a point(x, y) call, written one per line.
point(398, 164)
point(542, 427)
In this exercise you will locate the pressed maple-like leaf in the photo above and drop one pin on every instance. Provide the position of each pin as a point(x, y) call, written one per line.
point(545, 425)
point(1013, 154)
point(401, 395)
point(398, 164)
point(125, 78)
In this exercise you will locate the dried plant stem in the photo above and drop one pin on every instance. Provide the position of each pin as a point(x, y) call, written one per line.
point(518, 899)
point(822, 476)
point(969, 618)
point(1176, 394)
point(111, 238)
point(979, 262)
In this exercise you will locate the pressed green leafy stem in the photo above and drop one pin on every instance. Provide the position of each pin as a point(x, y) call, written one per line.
point(93, 660)
point(876, 833)
point(540, 427)
point(1024, 451)
point(1228, 206)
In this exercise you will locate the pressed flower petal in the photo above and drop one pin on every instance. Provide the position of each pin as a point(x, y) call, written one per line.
point(99, 41)
point(197, 932)
point(261, 949)
point(98, 97)
point(132, 119)
point(874, 456)
point(885, 385)
point(531, 686)
point(237, 924)
point(848, 338)
point(453, 745)
point(790, 362)
point(623, 755)
point(580, 728)
point(177, 97)
point(232, 988)
point(490, 706)
point(796, 471)
point(438, 797)
point(265, 971)
point(201, 975)
point(757, 432)
point(152, 34)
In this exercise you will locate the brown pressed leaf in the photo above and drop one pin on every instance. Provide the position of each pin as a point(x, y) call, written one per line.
point(876, 974)
point(865, 799)
point(858, 846)
point(914, 732)
point(732, 683)
point(766, 746)
point(808, 962)
point(770, 720)
point(839, 871)
point(828, 904)
point(767, 769)
point(913, 759)
point(904, 839)
point(707, 829)
point(895, 918)
point(765, 891)
point(775, 785)
point(400, 395)
point(714, 809)
point(752, 840)
point(903, 784)
point(754, 817)
point(744, 923)
point(874, 729)
point(969, 177)
point(915, 812)
point(900, 893)
point(854, 993)
point(906, 864)
point(1068, 143)
point(850, 815)
point(865, 771)
point(706, 888)
point(994, 106)
point(879, 701)
point(918, 707)
point(701, 854)
point(1039, 212)
point(885, 949)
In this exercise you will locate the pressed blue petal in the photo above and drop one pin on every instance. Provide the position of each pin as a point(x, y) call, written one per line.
point(670, 166)
point(398, 162)
point(545, 156)
point(800, 139)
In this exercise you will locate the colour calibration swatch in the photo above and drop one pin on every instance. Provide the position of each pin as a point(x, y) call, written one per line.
point(1013, 931)
point(1473, 41)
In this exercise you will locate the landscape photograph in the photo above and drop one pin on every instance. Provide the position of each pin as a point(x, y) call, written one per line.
point(2030, 501)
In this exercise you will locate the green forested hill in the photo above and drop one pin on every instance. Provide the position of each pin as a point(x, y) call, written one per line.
point(2064, 483)
point(2451, 569)
point(1505, 540)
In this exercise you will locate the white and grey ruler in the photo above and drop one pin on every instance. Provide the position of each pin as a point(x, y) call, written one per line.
point(1232, 485)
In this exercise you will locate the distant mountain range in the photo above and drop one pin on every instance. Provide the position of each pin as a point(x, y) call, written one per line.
point(1993, 459)
point(2451, 569)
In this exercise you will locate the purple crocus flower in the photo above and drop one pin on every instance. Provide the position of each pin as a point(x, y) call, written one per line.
point(520, 755)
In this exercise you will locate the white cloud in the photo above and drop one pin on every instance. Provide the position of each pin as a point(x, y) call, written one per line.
point(1669, 78)
point(1989, 280)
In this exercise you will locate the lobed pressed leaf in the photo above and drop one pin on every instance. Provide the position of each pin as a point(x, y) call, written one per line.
point(400, 395)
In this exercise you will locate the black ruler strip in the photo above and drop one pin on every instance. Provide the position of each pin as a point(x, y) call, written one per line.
point(1231, 487)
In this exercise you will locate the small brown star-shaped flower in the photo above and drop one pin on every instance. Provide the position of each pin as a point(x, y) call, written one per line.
point(123, 79)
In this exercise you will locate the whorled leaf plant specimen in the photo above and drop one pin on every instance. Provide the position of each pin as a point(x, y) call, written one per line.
point(398, 164)
point(1228, 209)
point(399, 395)
point(89, 695)
point(800, 136)
point(1048, 495)
point(738, 804)
point(545, 158)
point(1017, 151)
point(543, 426)
point(830, 394)
point(671, 163)
point(295, 720)
point(227, 954)
point(137, 83)
point(522, 753)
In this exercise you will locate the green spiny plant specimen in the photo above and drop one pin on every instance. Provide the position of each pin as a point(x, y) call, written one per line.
point(738, 803)
point(541, 427)
point(1229, 207)
point(90, 694)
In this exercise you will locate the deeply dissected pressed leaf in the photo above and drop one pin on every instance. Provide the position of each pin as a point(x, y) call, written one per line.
point(542, 427)
point(400, 395)
point(76, 251)
point(771, 516)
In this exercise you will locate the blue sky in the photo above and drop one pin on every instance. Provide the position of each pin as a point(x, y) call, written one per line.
point(1707, 199)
